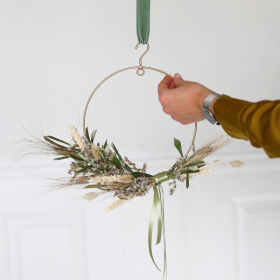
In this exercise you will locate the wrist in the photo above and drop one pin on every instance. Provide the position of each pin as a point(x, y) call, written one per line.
point(207, 108)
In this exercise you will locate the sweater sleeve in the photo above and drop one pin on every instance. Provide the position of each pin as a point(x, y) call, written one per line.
point(257, 122)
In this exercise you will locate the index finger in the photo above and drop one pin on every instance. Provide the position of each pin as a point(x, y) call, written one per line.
point(164, 84)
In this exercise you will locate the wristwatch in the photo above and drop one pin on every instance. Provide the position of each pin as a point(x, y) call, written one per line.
point(206, 108)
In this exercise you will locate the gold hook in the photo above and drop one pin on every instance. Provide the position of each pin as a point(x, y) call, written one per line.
point(140, 61)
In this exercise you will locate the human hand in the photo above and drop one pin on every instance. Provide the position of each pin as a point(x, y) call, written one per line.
point(182, 100)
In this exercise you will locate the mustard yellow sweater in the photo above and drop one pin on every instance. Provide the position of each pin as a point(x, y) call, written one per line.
point(258, 122)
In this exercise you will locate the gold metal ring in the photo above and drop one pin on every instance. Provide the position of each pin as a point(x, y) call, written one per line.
point(139, 68)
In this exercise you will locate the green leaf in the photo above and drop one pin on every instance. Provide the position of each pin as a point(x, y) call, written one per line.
point(178, 146)
point(120, 158)
point(116, 162)
point(87, 135)
point(100, 154)
point(187, 181)
point(91, 186)
point(76, 158)
point(186, 171)
point(105, 144)
point(93, 136)
point(76, 149)
point(140, 174)
point(53, 143)
point(59, 158)
point(82, 157)
point(56, 139)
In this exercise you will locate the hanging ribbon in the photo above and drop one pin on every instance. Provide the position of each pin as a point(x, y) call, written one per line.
point(143, 21)
point(158, 207)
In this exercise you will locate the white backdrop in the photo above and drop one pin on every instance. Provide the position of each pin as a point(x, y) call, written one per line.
point(53, 53)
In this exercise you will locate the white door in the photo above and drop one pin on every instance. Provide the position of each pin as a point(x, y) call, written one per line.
point(225, 226)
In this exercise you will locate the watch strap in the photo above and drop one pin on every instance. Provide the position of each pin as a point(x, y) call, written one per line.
point(206, 108)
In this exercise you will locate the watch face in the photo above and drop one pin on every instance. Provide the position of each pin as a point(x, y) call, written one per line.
point(209, 116)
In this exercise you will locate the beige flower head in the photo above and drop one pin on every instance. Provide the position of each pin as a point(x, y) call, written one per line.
point(77, 138)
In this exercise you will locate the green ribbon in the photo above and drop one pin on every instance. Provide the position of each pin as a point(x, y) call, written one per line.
point(143, 21)
point(158, 207)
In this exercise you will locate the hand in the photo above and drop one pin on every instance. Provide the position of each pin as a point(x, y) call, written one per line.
point(182, 100)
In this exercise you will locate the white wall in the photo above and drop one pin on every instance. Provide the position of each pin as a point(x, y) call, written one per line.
point(52, 55)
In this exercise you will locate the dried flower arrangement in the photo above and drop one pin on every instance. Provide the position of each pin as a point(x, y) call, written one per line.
point(101, 171)
point(104, 171)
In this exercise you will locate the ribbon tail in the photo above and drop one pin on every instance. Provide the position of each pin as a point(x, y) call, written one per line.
point(159, 214)
point(164, 272)
point(151, 223)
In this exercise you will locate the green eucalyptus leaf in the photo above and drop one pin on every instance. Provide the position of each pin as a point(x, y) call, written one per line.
point(187, 180)
point(87, 135)
point(178, 146)
point(76, 158)
point(116, 161)
point(91, 186)
point(60, 158)
point(82, 157)
point(100, 154)
point(120, 159)
point(93, 136)
point(105, 144)
point(56, 139)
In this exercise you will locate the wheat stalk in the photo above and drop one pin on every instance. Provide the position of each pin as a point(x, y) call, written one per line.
point(107, 180)
point(90, 196)
point(76, 136)
point(115, 205)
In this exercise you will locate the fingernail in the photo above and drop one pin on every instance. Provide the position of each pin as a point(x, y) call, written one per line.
point(178, 76)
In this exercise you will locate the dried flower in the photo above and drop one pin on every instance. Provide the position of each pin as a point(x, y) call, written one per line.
point(90, 196)
point(106, 180)
point(115, 205)
point(94, 151)
point(77, 138)
point(237, 163)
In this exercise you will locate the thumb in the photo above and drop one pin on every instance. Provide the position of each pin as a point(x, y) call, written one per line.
point(177, 81)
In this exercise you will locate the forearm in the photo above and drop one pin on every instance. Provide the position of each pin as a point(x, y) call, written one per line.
point(258, 122)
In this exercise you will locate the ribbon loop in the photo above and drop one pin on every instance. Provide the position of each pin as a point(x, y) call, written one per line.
point(143, 21)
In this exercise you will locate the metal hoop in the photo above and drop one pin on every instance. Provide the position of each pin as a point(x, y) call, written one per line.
point(139, 74)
